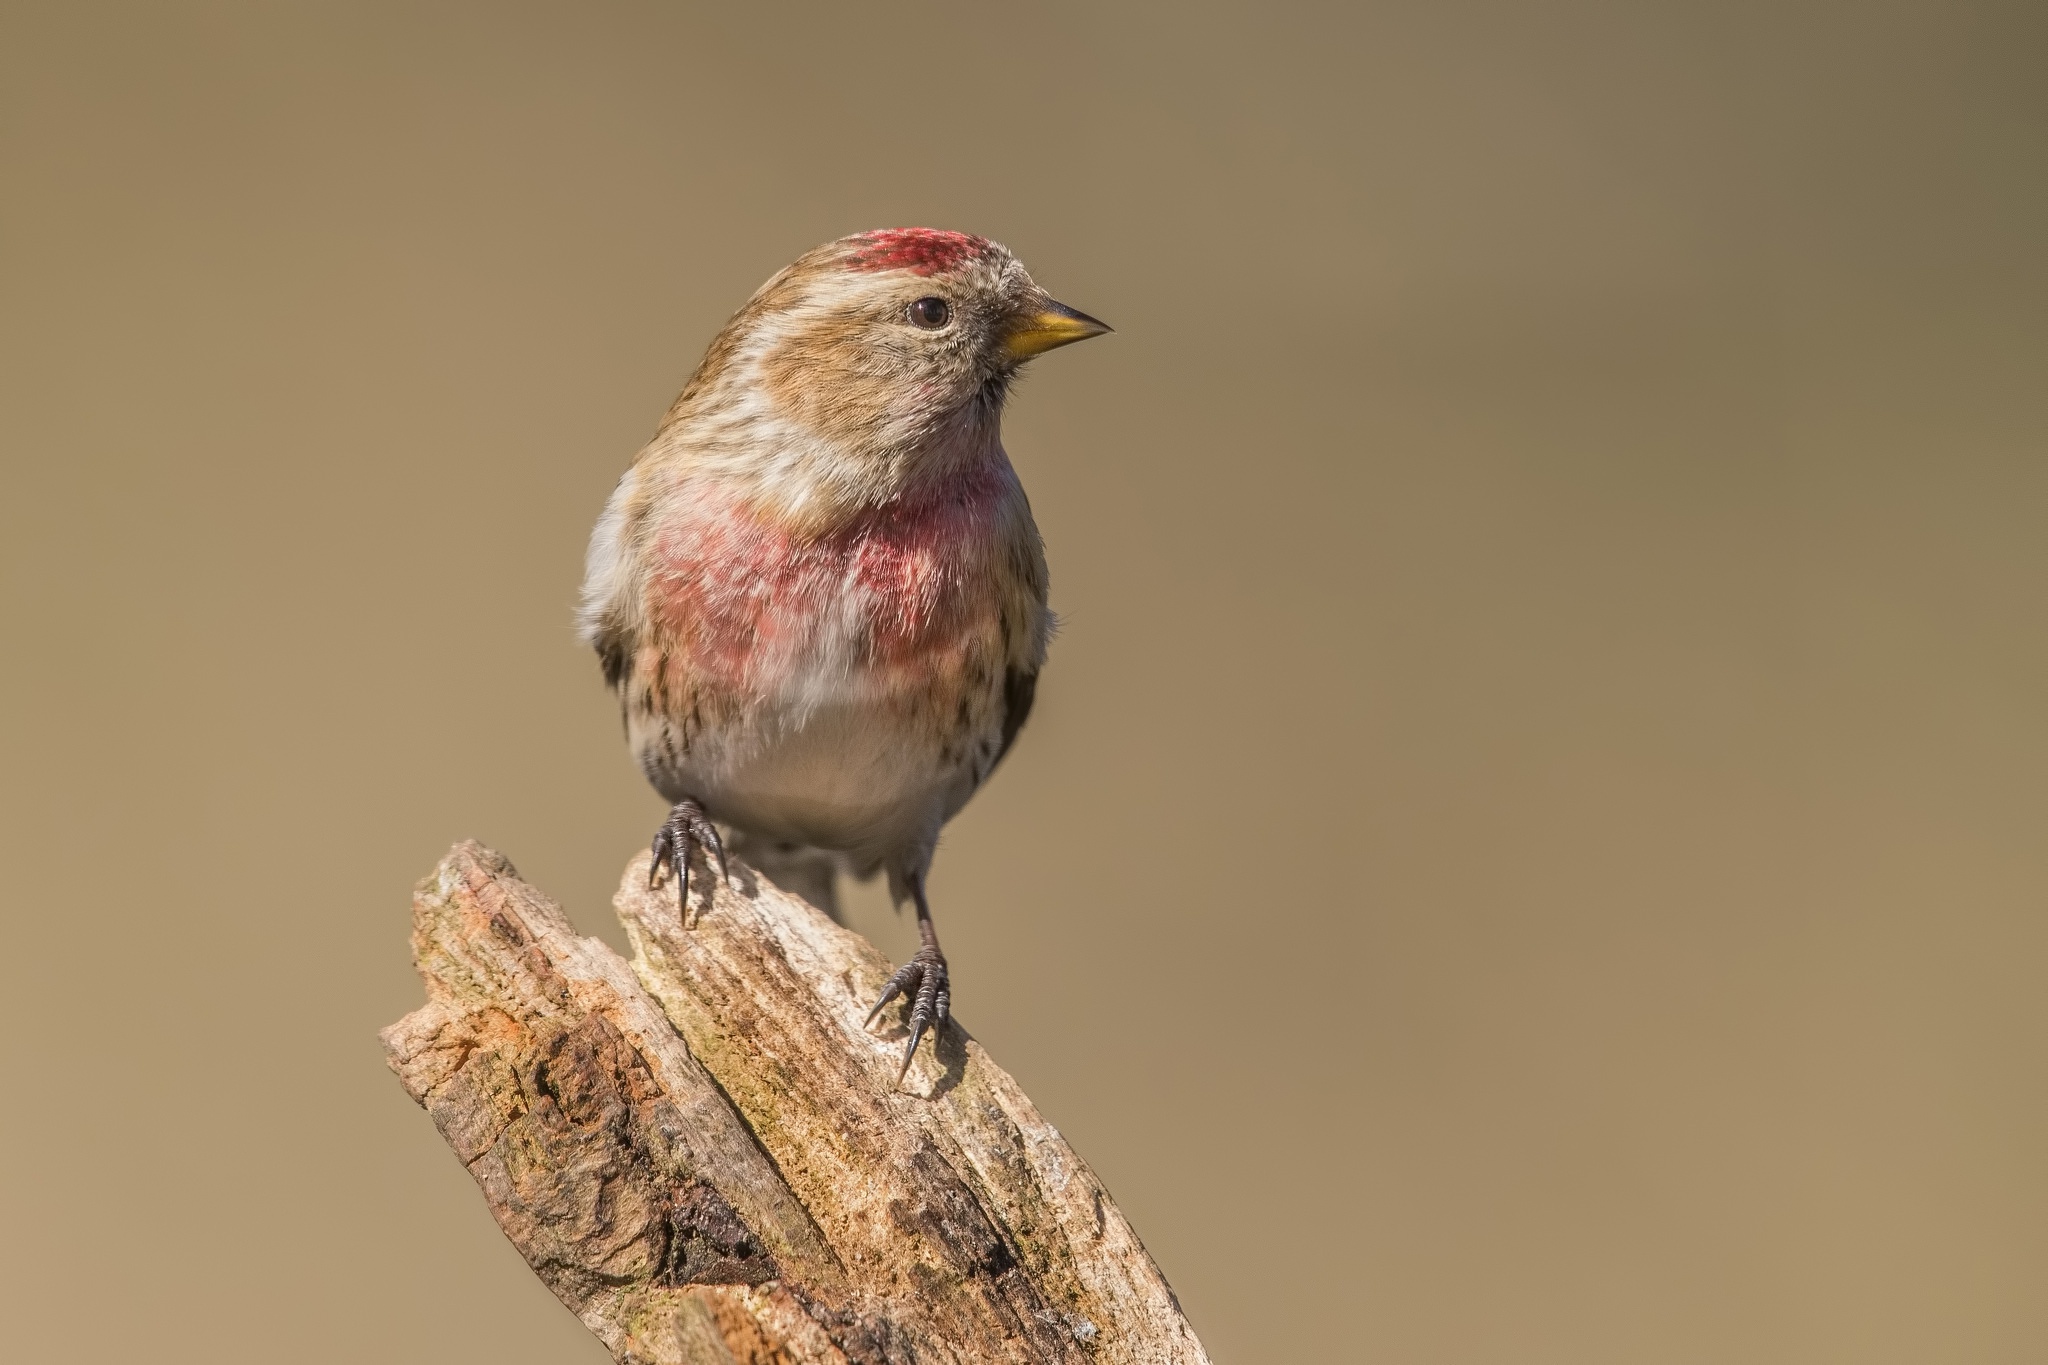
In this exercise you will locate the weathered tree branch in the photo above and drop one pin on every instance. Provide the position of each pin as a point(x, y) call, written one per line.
point(707, 1158)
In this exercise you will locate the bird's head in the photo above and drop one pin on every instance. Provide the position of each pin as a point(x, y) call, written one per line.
point(892, 350)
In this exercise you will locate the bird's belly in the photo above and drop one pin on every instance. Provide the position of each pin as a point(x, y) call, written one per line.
point(841, 746)
point(839, 777)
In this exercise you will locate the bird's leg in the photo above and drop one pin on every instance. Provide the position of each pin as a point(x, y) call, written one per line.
point(923, 979)
point(686, 830)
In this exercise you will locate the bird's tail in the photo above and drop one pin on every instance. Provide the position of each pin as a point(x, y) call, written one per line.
point(799, 869)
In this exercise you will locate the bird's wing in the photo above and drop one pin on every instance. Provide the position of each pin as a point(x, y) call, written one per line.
point(610, 614)
point(1020, 688)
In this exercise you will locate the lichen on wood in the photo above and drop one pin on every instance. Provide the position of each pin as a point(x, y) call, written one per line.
point(708, 1159)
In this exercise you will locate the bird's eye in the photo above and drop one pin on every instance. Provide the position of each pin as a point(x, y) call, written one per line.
point(932, 313)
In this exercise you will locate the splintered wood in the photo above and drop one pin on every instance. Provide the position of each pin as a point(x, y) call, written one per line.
point(708, 1159)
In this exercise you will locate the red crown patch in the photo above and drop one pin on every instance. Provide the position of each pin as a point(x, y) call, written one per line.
point(921, 251)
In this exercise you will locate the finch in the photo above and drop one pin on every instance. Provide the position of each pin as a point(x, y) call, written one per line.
point(818, 592)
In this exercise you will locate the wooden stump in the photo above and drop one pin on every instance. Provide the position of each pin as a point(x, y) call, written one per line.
point(708, 1159)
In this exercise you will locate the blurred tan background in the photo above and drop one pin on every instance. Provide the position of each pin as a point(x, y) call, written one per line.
point(1532, 846)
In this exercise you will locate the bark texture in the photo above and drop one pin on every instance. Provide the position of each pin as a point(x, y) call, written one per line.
point(708, 1159)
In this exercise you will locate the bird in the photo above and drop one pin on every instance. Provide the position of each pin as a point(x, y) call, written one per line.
point(818, 592)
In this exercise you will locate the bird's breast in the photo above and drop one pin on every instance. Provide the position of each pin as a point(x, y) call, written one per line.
point(891, 600)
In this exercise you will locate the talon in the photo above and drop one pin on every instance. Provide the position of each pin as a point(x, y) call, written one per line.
point(925, 981)
point(910, 1051)
point(891, 991)
point(717, 846)
point(686, 828)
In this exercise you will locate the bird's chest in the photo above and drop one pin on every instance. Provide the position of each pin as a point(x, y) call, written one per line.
point(890, 603)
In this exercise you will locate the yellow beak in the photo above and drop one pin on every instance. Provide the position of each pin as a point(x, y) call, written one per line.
point(1052, 325)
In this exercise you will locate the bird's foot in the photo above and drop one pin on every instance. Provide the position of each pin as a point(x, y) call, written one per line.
point(923, 980)
point(686, 830)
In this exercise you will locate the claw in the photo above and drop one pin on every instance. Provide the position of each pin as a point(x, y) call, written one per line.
point(924, 980)
point(687, 827)
point(718, 852)
point(889, 992)
point(916, 1035)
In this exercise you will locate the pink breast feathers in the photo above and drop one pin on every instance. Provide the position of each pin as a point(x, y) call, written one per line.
point(749, 603)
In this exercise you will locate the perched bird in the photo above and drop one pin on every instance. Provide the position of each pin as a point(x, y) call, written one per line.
point(818, 592)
